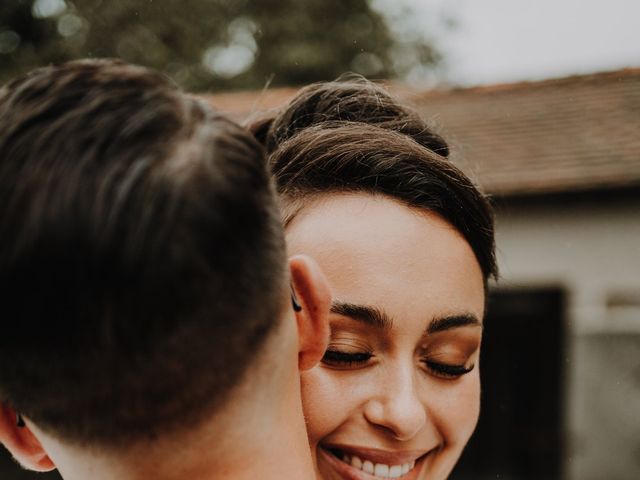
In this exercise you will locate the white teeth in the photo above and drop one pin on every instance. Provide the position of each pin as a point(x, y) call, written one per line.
point(379, 469)
point(367, 466)
point(395, 471)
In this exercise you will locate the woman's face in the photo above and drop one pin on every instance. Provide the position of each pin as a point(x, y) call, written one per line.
point(397, 393)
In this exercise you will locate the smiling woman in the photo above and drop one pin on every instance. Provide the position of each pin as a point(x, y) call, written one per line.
point(406, 242)
point(398, 391)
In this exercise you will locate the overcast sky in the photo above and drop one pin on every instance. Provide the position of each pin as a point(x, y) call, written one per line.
point(511, 40)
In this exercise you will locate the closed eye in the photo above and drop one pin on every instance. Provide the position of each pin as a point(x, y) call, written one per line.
point(445, 370)
point(336, 358)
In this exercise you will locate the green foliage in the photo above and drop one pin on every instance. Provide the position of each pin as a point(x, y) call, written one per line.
point(211, 44)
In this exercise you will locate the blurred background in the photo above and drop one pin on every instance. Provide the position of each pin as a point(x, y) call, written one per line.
point(541, 102)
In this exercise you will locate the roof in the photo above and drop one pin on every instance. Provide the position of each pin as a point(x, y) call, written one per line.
point(570, 134)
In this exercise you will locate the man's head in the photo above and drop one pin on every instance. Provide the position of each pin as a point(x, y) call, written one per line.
point(142, 262)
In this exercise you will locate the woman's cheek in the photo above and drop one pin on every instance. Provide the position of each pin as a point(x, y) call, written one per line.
point(321, 403)
point(331, 398)
point(455, 408)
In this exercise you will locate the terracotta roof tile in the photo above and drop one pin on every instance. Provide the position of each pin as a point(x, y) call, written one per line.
point(574, 133)
point(568, 134)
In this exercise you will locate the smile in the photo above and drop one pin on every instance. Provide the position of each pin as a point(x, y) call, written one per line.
point(372, 464)
point(379, 469)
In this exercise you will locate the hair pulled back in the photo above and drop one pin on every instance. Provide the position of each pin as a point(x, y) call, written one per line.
point(353, 136)
point(354, 100)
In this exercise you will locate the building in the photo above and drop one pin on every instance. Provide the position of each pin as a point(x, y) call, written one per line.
point(562, 160)
point(561, 355)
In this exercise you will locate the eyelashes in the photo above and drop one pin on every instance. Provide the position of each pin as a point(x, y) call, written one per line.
point(336, 358)
point(446, 370)
point(344, 360)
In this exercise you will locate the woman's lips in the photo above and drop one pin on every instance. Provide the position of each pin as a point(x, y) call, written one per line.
point(360, 463)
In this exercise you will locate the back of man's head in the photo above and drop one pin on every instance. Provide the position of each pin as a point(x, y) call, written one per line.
point(141, 255)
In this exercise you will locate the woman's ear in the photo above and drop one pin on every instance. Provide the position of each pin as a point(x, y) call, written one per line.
point(22, 443)
point(310, 292)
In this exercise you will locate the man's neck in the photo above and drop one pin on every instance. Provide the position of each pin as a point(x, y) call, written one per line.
point(266, 443)
point(276, 448)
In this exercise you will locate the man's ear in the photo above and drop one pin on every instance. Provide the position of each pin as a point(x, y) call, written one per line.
point(22, 443)
point(311, 292)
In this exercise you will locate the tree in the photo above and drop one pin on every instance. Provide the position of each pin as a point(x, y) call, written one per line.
point(210, 44)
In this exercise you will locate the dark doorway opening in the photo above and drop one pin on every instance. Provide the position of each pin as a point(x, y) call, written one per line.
point(519, 435)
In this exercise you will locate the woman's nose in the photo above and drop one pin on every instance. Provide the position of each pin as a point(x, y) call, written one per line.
point(397, 407)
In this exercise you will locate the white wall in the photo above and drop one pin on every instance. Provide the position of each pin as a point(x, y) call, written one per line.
point(591, 249)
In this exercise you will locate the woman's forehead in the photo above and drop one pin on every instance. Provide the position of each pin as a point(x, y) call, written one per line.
point(347, 216)
point(378, 251)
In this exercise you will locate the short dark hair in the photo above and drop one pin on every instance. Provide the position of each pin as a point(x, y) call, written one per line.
point(350, 99)
point(142, 260)
point(352, 135)
point(356, 157)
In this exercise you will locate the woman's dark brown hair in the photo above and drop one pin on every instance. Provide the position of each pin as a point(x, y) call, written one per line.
point(353, 136)
point(355, 100)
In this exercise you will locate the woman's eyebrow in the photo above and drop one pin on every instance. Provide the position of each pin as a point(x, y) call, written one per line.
point(453, 321)
point(379, 319)
point(363, 313)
